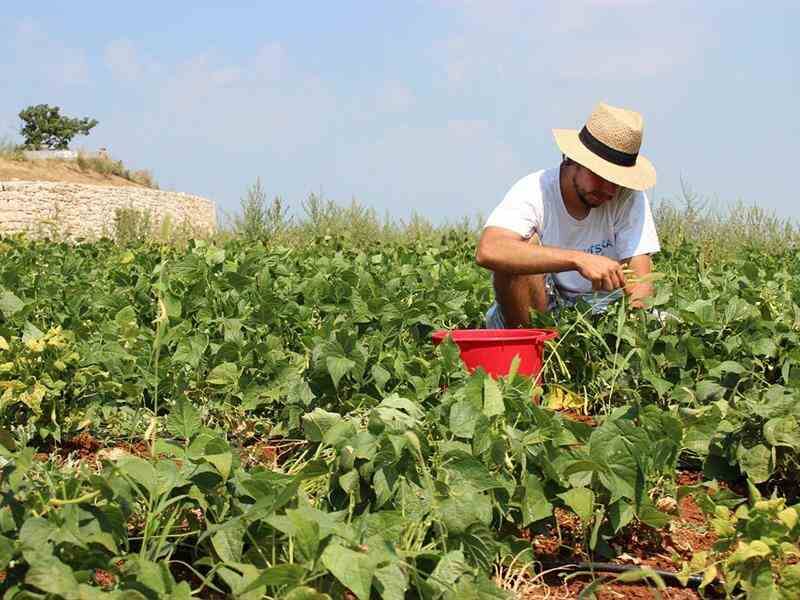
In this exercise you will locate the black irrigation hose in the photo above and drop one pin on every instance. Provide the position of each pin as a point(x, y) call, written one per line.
point(670, 577)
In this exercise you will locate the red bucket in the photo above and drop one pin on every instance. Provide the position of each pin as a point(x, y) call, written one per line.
point(495, 349)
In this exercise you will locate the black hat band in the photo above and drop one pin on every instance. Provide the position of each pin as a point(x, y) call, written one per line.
point(623, 159)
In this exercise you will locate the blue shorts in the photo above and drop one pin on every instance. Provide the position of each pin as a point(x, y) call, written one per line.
point(555, 300)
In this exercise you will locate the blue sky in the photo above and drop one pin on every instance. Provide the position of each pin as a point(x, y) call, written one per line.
point(430, 107)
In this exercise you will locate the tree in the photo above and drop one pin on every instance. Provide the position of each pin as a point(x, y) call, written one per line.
point(46, 128)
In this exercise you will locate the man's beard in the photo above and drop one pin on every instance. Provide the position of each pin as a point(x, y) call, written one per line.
point(581, 194)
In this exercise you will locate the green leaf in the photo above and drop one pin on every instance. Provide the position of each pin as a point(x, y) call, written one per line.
point(581, 501)
point(219, 454)
point(226, 374)
point(449, 568)
point(354, 570)
point(703, 312)
point(725, 367)
point(617, 445)
point(746, 551)
point(338, 367)
point(620, 514)
point(7, 551)
point(35, 532)
point(650, 515)
point(7, 440)
point(319, 422)
point(184, 419)
point(492, 398)
point(783, 431)
point(306, 593)
point(228, 541)
point(764, 347)
point(755, 462)
point(141, 471)
point(50, 575)
point(464, 508)
point(391, 583)
point(173, 305)
point(708, 391)
point(277, 576)
point(465, 468)
point(789, 583)
point(535, 505)
point(10, 304)
point(380, 375)
point(190, 350)
point(463, 418)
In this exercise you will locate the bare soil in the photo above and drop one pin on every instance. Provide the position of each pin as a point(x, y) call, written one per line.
point(57, 170)
point(665, 549)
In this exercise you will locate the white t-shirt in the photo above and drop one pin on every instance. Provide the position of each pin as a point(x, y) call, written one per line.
point(619, 229)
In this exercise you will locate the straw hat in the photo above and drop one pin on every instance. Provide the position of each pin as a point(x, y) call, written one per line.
point(608, 145)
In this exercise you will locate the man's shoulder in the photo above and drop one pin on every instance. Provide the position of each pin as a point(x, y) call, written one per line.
point(541, 183)
point(538, 177)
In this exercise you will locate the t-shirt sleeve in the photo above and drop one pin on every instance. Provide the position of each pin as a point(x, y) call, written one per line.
point(521, 210)
point(635, 228)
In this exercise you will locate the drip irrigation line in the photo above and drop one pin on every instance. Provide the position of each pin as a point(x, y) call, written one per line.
point(670, 577)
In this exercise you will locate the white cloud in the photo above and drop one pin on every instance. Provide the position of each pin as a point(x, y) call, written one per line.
point(261, 103)
point(515, 43)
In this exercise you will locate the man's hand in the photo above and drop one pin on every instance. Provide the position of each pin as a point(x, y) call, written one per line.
point(641, 266)
point(604, 273)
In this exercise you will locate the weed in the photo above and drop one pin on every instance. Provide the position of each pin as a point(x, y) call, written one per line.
point(132, 226)
point(260, 219)
point(108, 166)
point(11, 151)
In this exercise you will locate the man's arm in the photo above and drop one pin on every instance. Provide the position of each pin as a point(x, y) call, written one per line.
point(503, 250)
point(640, 265)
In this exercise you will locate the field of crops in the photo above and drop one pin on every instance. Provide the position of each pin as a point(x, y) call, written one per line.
point(237, 419)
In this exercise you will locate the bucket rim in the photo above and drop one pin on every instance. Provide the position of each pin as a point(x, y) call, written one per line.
point(495, 335)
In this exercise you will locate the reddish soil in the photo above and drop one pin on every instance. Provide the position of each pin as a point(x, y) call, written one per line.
point(86, 449)
point(610, 591)
point(573, 415)
point(665, 549)
point(104, 579)
point(269, 453)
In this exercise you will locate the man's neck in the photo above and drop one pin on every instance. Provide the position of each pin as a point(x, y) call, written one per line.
point(576, 209)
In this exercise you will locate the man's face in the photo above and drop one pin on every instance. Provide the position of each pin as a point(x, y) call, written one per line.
point(591, 189)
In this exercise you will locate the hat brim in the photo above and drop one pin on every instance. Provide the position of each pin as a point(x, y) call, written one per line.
point(638, 177)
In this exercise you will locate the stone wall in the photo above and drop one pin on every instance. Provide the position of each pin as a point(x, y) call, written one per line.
point(78, 210)
point(50, 154)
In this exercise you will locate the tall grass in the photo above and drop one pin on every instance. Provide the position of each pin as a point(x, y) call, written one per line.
point(134, 226)
point(10, 150)
point(320, 219)
point(719, 231)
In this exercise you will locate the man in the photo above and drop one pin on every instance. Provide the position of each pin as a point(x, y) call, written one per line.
point(565, 234)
